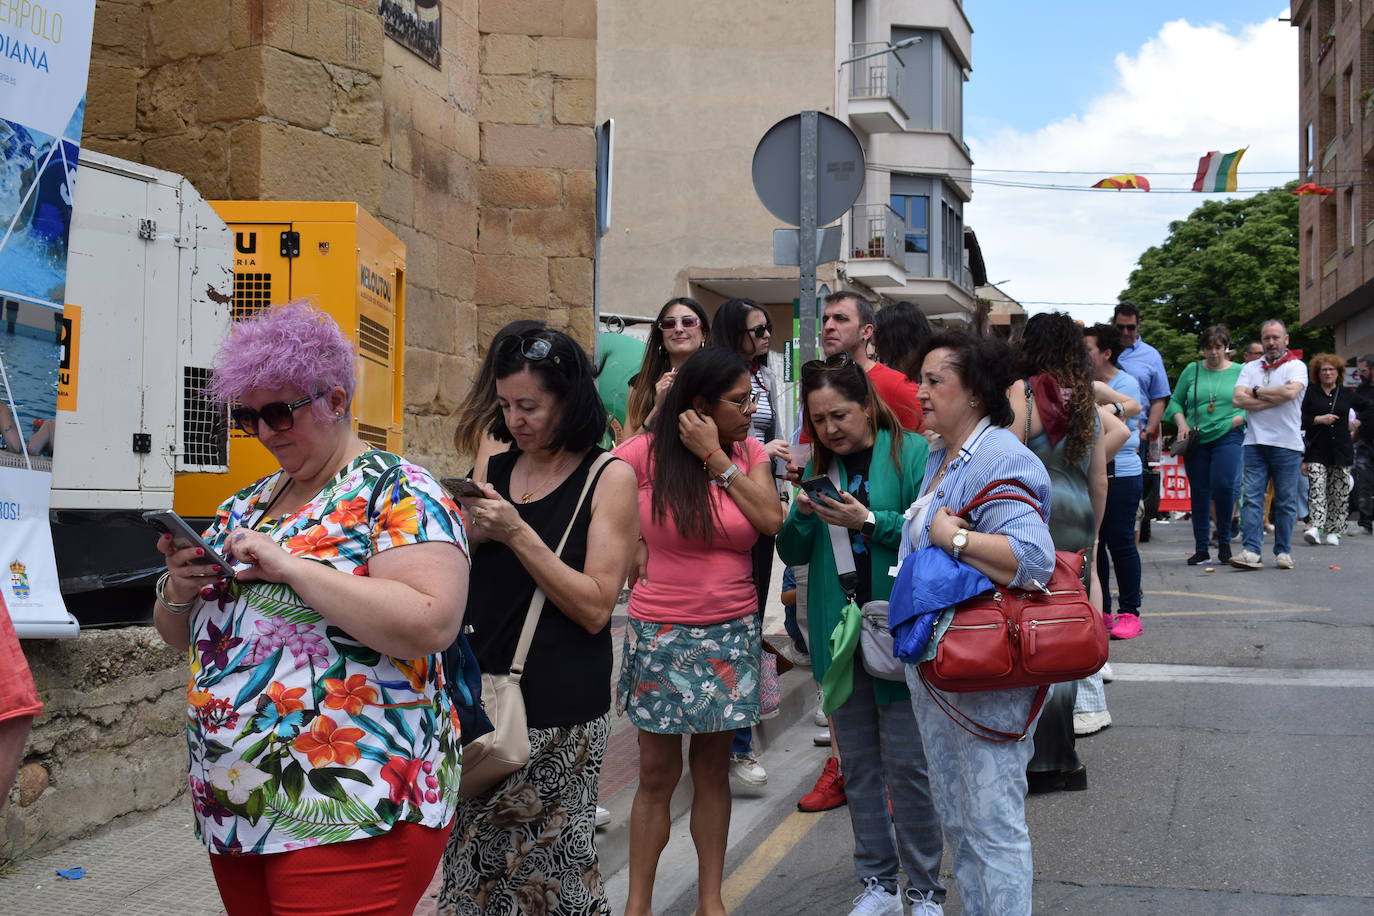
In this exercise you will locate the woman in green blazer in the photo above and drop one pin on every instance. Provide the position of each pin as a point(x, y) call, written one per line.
point(880, 468)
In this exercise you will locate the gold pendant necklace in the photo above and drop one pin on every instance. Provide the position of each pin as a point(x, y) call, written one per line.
point(528, 496)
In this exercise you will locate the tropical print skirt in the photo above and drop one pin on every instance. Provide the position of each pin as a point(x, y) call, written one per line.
point(691, 680)
point(528, 846)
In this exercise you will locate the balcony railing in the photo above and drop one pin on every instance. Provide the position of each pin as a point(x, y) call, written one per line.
point(877, 77)
point(877, 231)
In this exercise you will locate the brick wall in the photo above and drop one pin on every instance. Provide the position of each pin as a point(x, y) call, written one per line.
point(484, 168)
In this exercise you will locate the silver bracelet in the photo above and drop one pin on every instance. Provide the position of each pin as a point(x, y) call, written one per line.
point(727, 476)
point(176, 608)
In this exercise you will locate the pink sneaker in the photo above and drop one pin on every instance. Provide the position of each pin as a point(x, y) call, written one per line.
point(1108, 621)
point(1127, 627)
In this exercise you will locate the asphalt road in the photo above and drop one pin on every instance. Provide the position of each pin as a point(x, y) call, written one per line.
point(1234, 780)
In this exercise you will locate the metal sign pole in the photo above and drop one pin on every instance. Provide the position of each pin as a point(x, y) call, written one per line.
point(806, 237)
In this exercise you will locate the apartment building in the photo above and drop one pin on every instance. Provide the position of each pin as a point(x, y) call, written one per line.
point(1336, 137)
point(692, 89)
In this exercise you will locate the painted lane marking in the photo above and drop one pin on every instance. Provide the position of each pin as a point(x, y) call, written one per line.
point(1266, 677)
point(1291, 609)
point(765, 858)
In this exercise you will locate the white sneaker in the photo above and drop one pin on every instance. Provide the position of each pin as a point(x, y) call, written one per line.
point(1107, 674)
point(1090, 723)
point(923, 904)
point(1247, 559)
point(821, 738)
point(1283, 560)
point(1333, 539)
point(876, 901)
point(1312, 536)
point(603, 817)
point(745, 769)
point(819, 717)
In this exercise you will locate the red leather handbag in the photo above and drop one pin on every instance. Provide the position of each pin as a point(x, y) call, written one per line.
point(1017, 637)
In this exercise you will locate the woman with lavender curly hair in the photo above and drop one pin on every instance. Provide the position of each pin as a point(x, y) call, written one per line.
point(324, 756)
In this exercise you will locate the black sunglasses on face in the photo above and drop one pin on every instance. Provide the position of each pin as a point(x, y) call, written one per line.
point(1127, 327)
point(688, 321)
point(760, 330)
point(829, 364)
point(279, 415)
point(531, 346)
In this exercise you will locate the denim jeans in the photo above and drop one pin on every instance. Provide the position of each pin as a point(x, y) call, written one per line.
point(1117, 538)
point(980, 793)
point(1264, 463)
point(1213, 473)
point(888, 787)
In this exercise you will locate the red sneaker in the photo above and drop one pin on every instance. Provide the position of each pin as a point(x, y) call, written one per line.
point(829, 789)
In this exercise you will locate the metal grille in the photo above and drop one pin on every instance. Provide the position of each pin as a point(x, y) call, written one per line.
point(374, 339)
point(374, 436)
point(204, 425)
point(252, 294)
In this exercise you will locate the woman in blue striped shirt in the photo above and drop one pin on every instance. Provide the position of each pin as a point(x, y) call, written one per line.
point(979, 786)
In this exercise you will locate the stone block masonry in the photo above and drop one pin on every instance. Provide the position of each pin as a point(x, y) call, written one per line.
point(483, 166)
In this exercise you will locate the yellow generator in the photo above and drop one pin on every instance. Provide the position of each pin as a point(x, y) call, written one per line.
point(336, 255)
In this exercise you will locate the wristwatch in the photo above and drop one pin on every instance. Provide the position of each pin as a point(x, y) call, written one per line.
point(1120, 411)
point(870, 525)
point(959, 542)
point(1254, 392)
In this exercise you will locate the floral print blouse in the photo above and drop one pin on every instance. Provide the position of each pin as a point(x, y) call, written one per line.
point(300, 735)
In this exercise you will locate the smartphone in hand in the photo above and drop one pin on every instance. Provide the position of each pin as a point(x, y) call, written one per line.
point(184, 536)
point(463, 488)
point(821, 486)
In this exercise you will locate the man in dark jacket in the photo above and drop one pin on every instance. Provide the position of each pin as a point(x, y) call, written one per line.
point(1363, 494)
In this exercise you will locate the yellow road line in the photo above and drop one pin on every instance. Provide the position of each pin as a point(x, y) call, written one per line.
point(763, 859)
point(1296, 609)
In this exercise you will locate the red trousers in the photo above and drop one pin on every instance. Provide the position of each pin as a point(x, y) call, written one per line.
point(378, 876)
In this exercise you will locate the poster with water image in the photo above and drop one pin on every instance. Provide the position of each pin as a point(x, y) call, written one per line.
point(45, 55)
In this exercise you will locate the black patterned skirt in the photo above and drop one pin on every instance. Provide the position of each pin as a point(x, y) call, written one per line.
point(529, 845)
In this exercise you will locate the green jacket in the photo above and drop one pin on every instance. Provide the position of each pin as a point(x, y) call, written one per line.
point(805, 540)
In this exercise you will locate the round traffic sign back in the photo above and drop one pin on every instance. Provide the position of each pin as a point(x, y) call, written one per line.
point(839, 169)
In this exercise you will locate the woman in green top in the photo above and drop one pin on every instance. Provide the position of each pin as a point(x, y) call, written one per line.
point(878, 468)
point(1202, 401)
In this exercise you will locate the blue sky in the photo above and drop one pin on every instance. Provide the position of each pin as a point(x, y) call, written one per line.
point(1034, 62)
point(1151, 93)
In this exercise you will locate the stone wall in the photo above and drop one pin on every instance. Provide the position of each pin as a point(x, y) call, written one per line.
point(110, 741)
point(484, 168)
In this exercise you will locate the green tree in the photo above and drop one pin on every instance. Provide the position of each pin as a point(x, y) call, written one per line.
point(1232, 262)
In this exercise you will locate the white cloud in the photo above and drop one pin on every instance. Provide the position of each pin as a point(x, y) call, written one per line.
point(1190, 89)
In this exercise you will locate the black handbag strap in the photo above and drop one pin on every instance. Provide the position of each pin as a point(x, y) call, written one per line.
point(987, 733)
point(1197, 370)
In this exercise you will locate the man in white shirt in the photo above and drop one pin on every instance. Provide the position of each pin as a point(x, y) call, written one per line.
point(1270, 391)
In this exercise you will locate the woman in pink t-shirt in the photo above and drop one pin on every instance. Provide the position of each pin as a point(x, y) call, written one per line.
point(691, 659)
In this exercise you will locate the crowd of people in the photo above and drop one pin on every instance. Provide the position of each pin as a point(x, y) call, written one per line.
point(325, 742)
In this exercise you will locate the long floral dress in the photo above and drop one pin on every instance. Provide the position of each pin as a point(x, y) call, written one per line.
point(299, 734)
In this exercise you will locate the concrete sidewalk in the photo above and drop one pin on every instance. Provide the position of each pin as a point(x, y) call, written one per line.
point(155, 864)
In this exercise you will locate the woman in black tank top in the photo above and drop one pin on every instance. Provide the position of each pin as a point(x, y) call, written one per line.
point(531, 835)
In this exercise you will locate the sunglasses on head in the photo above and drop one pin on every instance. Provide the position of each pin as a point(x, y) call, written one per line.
point(279, 415)
point(829, 364)
point(687, 321)
point(532, 347)
point(760, 330)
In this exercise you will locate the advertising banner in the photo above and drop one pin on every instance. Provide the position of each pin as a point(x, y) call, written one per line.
point(45, 55)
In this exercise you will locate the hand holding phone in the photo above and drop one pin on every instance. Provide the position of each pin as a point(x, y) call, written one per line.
point(184, 536)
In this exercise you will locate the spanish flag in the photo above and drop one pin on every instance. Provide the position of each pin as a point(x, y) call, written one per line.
point(1217, 171)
